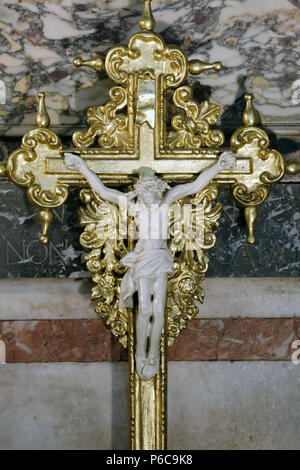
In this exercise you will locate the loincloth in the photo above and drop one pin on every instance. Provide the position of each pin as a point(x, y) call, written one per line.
point(143, 264)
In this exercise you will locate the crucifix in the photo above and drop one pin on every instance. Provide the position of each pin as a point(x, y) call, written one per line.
point(139, 167)
point(151, 260)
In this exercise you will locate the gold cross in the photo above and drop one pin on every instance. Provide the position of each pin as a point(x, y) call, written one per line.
point(144, 71)
point(132, 130)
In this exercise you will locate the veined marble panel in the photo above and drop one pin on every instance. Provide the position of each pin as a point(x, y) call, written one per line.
point(275, 254)
point(57, 299)
point(257, 40)
point(250, 297)
point(227, 339)
point(63, 406)
point(210, 406)
point(234, 406)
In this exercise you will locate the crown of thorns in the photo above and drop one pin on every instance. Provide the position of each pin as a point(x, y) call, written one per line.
point(150, 183)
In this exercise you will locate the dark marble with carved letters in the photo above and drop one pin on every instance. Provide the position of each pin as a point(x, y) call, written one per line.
point(276, 252)
point(259, 51)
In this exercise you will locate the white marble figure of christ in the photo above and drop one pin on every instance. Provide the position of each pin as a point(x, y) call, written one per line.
point(151, 260)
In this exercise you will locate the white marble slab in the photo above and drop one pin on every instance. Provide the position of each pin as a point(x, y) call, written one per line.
point(250, 297)
point(63, 406)
point(252, 405)
point(211, 405)
point(43, 299)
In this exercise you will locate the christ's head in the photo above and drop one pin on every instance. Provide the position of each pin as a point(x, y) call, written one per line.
point(150, 190)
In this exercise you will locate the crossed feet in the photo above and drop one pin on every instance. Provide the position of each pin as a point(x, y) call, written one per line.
point(147, 366)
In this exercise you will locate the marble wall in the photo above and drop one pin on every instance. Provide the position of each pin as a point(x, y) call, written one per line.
point(65, 377)
point(235, 406)
point(53, 320)
point(275, 254)
point(257, 41)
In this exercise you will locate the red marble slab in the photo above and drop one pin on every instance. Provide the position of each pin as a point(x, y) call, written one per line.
point(242, 339)
point(198, 342)
point(297, 327)
point(239, 339)
point(59, 341)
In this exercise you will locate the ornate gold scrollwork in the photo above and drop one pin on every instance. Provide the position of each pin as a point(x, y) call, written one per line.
point(170, 61)
point(267, 166)
point(250, 196)
point(110, 128)
point(193, 127)
point(191, 261)
point(27, 167)
point(101, 220)
point(176, 60)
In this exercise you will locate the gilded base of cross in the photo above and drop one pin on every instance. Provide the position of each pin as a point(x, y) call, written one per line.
point(128, 132)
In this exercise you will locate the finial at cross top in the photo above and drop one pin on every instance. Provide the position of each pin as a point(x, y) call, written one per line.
point(147, 21)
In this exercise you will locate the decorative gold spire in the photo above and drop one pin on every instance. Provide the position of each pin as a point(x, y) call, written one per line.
point(251, 216)
point(197, 66)
point(95, 63)
point(42, 117)
point(292, 167)
point(45, 218)
point(250, 116)
point(147, 21)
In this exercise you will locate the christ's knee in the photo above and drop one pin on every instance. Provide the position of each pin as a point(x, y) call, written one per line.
point(158, 311)
point(158, 304)
point(146, 310)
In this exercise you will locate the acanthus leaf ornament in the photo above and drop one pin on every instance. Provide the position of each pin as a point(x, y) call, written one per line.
point(101, 221)
point(193, 127)
point(190, 259)
point(110, 128)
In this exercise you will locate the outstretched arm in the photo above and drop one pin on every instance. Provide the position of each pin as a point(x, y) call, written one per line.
point(74, 162)
point(226, 162)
